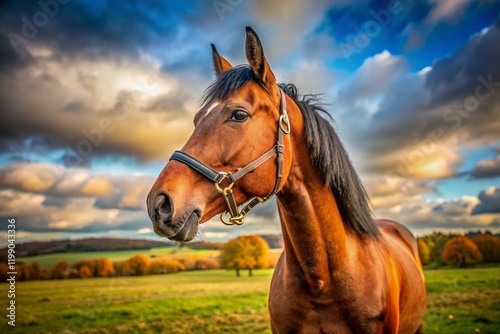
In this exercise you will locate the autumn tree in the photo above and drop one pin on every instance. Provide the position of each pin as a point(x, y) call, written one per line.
point(35, 271)
point(85, 272)
point(4, 269)
point(424, 251)
point(84, 269)
point(46, 273)
point(103, 268)
point(489, 246)
point(188, 261)
point(439, 241)
point(461, 251)
point(165, 266)
point(245, 252)
point(137, 265)
point(60, 270)
point(206, 264)
point(23, 272)
point(121, 268)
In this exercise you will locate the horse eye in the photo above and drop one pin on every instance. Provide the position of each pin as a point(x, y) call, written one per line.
point(239, 116)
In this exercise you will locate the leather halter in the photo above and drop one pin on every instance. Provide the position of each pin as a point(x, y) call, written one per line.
point(217, 177)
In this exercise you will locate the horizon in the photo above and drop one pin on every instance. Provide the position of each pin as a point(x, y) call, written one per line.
point(98, 97)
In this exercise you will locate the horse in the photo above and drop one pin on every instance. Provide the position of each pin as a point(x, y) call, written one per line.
point(341, 271)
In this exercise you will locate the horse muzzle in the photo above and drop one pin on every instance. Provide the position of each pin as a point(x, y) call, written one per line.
point(179, 227)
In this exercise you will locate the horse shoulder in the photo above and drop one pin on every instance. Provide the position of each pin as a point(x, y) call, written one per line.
point(402, 248)
point(401, 235)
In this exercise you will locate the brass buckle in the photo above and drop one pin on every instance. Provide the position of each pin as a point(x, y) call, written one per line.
point(284, 121)
point(225, 190)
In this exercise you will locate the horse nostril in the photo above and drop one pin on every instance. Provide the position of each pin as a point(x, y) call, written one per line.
point(163, 207)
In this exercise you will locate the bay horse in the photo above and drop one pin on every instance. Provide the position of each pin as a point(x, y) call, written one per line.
point(340, 271)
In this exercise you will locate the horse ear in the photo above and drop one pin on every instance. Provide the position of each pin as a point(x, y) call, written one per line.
point(256, 58)
point(220, 64)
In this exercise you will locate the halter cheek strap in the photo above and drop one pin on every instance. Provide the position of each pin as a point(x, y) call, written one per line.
point(278, 150)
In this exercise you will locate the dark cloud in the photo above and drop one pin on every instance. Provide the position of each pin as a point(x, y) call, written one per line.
point(490, 201)
point(59, 202)
point(486, 168)
point(75, 106)
point(98, 29)
point(419, 112)
point(60, 69)
point(456, 208)
point(459, 75)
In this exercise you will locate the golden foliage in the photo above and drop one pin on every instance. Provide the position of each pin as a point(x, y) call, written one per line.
point(165, 266)
point(137, 265)
point(461, 251)
point(84, 272)
point(245, 252)
point(207, 263)
point(60, 270)
point(424, 251)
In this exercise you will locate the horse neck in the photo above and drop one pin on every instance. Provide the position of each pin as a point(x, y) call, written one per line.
point(314, 235)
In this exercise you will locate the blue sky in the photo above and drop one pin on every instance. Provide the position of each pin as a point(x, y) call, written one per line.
point(143, 67)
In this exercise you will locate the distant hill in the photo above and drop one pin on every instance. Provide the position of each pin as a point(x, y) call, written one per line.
point(85, 245)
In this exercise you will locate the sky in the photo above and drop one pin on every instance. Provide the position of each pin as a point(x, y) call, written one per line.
point(96, 95)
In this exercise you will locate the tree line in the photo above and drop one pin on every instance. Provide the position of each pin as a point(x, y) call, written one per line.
point(440, 249)
point(252, 252)
point(244, 252)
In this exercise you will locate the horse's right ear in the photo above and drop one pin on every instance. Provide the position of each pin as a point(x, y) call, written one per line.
point(255, 56)
point(220, 64)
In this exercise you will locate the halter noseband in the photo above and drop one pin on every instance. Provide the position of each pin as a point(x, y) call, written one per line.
point(217, 177)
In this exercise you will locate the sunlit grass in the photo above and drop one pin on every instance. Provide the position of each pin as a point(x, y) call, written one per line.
point(218, 302)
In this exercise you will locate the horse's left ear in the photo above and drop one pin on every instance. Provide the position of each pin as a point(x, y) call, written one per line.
point(219, 62)
point(257, 60)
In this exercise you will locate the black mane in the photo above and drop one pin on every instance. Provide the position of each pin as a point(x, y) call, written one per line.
point(332, 162)
point(327, 152)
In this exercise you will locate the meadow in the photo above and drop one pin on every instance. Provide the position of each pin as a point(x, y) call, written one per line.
point(215, 301)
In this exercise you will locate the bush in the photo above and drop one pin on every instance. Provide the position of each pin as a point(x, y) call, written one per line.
point(3, 272)
point(35, 270)
point(83, 263)
point(23, 272)
point(46, 273)
point(137, 265)
point(84, 272)
point(165, 266)
point(60, 270)
point(103, 268)
point(120, 268)
point(207, 264)
point(73, 273)
point(188, 261)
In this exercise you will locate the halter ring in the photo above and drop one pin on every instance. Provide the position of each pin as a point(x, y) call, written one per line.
point(284, 121)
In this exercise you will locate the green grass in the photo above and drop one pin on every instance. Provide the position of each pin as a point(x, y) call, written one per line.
point(461, 301)
point(218, 302)
point(51, 259)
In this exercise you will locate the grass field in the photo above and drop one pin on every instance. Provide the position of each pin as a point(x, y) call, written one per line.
point(460, 301)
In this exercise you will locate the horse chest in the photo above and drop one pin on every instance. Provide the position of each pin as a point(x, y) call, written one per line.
point(293, 310)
